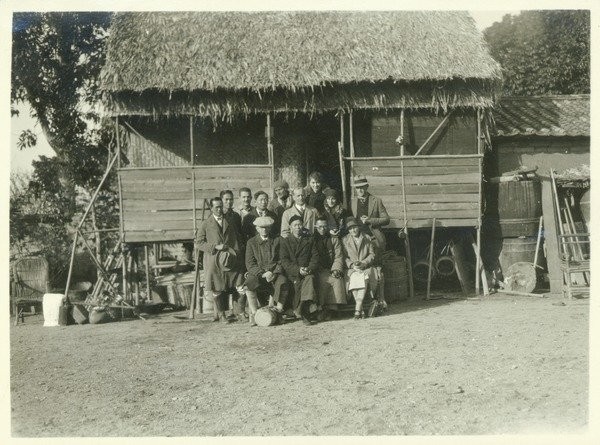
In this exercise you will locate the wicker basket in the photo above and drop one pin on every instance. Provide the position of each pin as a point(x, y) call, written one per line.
point(396, 279)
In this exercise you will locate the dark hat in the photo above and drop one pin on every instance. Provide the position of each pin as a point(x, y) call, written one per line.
point(294, 218)
point(360, 181)
point(331, 192)
point(280, 184)
point(351, 222)
point(226, 259)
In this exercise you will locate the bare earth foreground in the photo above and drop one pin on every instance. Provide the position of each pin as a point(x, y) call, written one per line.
point(496, 365)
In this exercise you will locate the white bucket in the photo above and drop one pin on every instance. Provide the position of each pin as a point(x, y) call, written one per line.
point(52, 304)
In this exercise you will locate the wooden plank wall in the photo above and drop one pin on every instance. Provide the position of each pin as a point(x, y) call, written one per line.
point(444, 188)
point(158, 204)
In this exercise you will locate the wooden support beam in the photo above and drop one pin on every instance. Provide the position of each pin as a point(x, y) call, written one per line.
point(435, 132)
point(430, 268)
point(191, 140)
point(351, 135)
point(402, 132)
point(343, 174)
point(118, 139)
point(411, 285)
point(147, 261)
point(551, 239)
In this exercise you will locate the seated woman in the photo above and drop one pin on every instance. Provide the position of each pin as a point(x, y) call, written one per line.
point(362, 278)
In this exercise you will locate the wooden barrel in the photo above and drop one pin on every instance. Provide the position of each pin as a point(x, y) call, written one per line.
point(519, 207)
point(267, 316)
point(515, 250)
point(395, 285)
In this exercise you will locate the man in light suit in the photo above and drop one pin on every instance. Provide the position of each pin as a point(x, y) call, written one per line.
point(308, 215)
point(219, 240)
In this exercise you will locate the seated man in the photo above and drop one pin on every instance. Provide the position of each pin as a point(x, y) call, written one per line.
point(362, 276)
point(299, 258)
point(331, 286)
point(265, 274)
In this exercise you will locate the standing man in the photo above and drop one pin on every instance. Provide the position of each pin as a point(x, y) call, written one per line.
point(300, 260)
point(228, 212)
point(331, 287)
point(369, 212)
point(246, 200)
point(264, 272)
point(248, 227)
point(307, 214)
point(219, 241)
point(282, 200)
point(314, 192)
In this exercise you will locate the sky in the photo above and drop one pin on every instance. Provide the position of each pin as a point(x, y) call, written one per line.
point(20, 160)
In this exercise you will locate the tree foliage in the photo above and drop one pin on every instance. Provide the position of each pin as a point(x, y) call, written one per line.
point(56, 62)
point(543, 52)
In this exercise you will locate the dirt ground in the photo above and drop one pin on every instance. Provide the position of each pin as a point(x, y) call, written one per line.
point(449, 366)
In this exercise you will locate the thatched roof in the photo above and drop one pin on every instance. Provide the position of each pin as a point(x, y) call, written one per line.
point(567, 115)
point(222, 63)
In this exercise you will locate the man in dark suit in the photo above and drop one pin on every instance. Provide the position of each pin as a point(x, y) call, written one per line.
point(219, 240)
point(264, 274)
point(300, 260)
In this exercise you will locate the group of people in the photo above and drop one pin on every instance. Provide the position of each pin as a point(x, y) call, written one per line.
point(302, 250)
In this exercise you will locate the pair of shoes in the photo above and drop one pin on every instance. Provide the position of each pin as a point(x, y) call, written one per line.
point(288, 317)
point(358, 315)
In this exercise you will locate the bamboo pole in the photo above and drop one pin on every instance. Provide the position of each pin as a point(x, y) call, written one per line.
point(429, 270)
point(146, 257)
point(402, 132)
point(124, 269)
point(343, 174)
point(411, 284)
point(270, 154)
point(478, 253)
point(537, 244)
point(351, 135)
point(118, 137)
point(194, 298)
point(407, 157)
point(87, 210)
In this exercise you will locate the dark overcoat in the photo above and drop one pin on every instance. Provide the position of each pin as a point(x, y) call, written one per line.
point(209, 235)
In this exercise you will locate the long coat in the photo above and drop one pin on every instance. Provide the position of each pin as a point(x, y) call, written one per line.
point(294, 254)
point(209, 235)
point(364, 253)
point(308, 219)
point(331, 290)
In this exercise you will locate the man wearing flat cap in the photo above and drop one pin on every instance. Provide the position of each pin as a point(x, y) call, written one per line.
point(300, 261)
point(261, 200)
point(264, 276)
point(219, 240)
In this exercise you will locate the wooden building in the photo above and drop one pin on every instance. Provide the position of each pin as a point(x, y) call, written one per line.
point(206, 101)
point(543, 131)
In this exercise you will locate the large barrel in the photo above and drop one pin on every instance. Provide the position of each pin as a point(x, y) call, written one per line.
point(517, 205)
point(515, 250)
point(395, 279)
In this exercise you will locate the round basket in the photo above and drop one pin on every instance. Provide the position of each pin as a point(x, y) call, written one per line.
point(444, 266)
point(420, 271)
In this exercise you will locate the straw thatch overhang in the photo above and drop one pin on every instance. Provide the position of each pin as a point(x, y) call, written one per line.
point(219, 64)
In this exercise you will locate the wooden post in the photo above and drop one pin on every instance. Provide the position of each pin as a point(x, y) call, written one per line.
point(478, 253)
point(71, 264)
point(270, 149)
point(124, 269)
point(411, 285)
point(195, 223)
point(429, 270)
point(194, 299)
point(191, 140)
point(537, 243)
point(551, 239)
point(351, 135)
point(137, 278)
point(402, 132)
point(342, 128)
point(343, 174)
point(118, 139)
point(146, 257)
